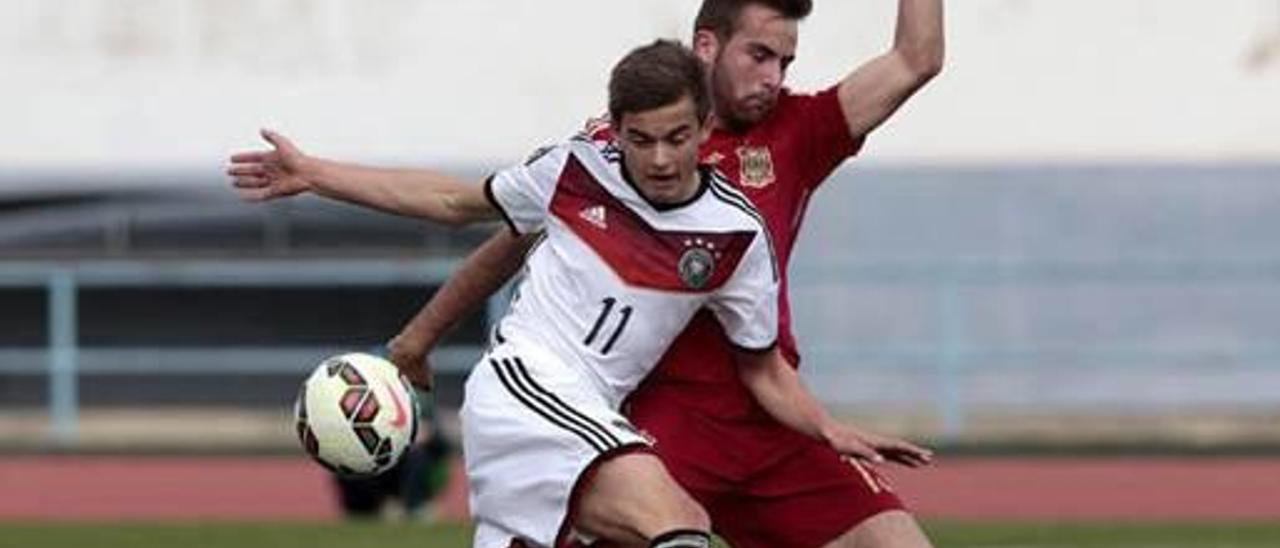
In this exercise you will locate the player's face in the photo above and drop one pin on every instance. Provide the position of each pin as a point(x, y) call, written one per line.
point(660, 150)
point(747, 70)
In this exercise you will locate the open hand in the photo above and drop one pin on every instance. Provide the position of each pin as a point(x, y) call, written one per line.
point(263, 175)
point(854, 443)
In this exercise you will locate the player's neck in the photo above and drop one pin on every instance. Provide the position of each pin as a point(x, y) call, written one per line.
point(723, 124)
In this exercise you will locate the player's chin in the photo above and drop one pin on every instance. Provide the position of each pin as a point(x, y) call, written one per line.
point(752, 111)
point(664, 189)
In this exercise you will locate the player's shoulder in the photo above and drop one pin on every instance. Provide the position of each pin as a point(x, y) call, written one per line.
point(598, 128)
point(793, 98)
point(596, 133)
point(793, 107)
point(739, 213)
point(731, 202)
point(596, 142)
point(586, 145)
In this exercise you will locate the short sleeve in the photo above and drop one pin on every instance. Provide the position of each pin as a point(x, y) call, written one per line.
point(826, 134)
point(747, 304)
point(523, 193)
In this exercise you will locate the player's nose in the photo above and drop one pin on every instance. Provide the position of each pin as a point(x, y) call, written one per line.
point(662, 156)
point(771, 77)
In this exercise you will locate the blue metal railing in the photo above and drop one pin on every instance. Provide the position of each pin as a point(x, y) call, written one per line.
point(947, 350)
point(942, 361)
point(65, 360)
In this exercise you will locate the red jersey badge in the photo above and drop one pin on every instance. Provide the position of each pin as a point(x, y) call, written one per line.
point(757, 167)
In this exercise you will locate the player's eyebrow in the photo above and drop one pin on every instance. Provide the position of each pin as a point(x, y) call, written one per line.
point(761, 47)
point(677, 131)
point(637, 134)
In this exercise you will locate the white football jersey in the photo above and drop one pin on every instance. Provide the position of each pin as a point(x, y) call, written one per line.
point(617, 278)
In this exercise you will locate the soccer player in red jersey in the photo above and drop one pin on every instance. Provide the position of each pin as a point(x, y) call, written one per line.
point(762, 484)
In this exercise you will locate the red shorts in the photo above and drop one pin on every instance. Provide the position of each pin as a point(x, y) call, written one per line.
point(763, 484)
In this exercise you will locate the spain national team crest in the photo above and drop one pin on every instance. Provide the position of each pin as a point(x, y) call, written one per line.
point(697, 264)
point(757, 167)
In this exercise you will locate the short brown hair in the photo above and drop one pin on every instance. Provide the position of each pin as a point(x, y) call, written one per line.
point(655, 76)
point(721, 16)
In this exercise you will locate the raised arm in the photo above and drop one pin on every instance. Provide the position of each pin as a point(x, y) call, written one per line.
point(480, 275)
point(286, 171)
point(875, 90)
point(779, 389)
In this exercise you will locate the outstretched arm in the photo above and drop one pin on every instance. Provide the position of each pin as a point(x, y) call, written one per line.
point(481, 274)
point(286, 171)
point(875, 90)
point(779, 389)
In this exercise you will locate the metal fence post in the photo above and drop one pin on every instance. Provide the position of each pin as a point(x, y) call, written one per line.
point(63, 357)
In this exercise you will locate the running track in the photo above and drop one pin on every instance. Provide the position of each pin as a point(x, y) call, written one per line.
point(1003, 489)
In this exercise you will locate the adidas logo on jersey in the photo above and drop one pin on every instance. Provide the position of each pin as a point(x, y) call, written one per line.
point(596, 216)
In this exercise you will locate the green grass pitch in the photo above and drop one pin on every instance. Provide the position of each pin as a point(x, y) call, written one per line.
point(944, 535)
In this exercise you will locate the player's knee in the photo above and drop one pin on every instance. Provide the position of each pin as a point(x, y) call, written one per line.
point(682, 538)
point(632, 496)
point(676, 511)
point(679, 511)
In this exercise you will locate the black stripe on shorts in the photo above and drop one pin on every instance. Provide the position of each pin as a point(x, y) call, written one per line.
point(522, 370)
point(507, 374)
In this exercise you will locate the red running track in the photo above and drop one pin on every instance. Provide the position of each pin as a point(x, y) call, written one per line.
point(163, 488)
point(1004, 489)
point(1093, 489)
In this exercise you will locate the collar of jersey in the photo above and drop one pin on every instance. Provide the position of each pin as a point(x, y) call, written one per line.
point(704, 181)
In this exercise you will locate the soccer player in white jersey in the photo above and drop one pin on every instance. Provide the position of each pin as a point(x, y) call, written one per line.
point(637, 238)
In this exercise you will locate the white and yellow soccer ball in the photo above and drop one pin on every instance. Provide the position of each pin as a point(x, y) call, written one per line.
point(356, 415)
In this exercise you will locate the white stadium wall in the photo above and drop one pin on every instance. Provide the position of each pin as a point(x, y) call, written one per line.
point(127, 85)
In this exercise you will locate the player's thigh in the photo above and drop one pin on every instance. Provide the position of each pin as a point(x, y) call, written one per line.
point(807, 500)
point(893, 529)
point(633, 497)
point(531, 432)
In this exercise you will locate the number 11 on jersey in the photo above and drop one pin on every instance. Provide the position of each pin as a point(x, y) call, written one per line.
point(605, 313)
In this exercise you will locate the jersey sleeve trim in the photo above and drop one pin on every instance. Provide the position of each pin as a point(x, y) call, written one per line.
point(750, 350)
point(488, 195)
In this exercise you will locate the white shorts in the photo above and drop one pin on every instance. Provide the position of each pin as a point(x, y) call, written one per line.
point(531, 427)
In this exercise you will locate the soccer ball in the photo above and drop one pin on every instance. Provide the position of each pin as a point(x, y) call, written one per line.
point(355, 415)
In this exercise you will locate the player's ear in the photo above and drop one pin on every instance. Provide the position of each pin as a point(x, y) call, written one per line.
point(706, 45)
point(704, 129)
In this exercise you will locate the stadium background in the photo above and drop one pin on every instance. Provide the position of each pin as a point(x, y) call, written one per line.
point(1063, 246)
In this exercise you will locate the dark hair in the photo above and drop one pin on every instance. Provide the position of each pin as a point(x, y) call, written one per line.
point(655, 76)
point(721, 16)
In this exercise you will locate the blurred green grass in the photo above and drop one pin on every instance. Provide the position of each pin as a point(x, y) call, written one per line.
point(377, 535)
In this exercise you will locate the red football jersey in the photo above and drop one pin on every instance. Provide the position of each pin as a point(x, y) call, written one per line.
point(778, 164)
